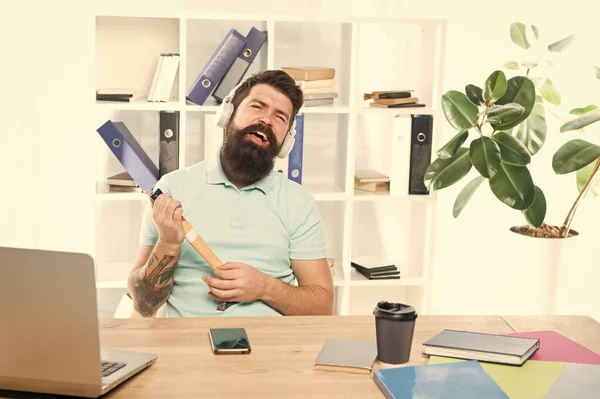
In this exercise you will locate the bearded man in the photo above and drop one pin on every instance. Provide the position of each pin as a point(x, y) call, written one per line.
point(264, 227)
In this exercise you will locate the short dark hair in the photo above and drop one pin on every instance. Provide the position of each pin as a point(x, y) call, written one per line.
point(277, 79)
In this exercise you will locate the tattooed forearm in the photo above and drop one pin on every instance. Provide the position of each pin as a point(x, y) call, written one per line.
point(151, 284)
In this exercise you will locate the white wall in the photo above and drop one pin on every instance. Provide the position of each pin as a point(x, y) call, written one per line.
point(47, 121)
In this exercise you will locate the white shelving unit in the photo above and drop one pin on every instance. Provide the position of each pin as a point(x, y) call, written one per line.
point(368, 54)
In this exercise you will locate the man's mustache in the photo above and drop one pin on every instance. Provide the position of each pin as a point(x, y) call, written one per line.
point(259, 127)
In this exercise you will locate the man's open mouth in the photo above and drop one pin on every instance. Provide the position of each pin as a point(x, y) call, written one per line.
point(260, 135)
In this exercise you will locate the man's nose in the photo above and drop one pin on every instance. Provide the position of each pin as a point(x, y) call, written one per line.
point(266, 120)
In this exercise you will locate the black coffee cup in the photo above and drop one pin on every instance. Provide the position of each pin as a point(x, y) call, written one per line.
point(394, 328)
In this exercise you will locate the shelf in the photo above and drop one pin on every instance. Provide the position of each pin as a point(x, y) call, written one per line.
point(325, 109)
point(397, 111)
point(140, 104)
point(338, 138)
point(360, 195)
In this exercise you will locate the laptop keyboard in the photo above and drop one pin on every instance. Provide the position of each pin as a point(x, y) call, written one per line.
point(110, 367)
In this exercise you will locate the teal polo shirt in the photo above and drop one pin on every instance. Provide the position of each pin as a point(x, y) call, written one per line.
point(264, 225)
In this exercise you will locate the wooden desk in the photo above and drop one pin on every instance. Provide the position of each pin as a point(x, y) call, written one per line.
point(283, 351)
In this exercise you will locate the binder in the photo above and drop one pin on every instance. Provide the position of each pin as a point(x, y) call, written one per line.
point(168, 149)
point(216, 67)
point(245, 57)
point(130, 153)
point(295, 158)
point(420, 153)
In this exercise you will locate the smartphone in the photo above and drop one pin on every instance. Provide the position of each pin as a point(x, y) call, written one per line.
point(229, 341)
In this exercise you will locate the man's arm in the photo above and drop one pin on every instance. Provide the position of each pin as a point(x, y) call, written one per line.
point(239, 282)
point(313, 296)
point(151, 280)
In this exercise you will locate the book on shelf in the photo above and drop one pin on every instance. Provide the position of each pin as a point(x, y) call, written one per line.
point(371, 180)
point(317, 84)
point(164, 77)
point(306, 73)
point(122, 183)
point(117, 95)
point(375, 268)
point(392, 99)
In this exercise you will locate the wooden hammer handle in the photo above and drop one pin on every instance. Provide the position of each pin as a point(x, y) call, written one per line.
point(200, 245)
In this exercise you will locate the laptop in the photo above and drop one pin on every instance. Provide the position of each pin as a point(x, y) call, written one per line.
point(49, 337)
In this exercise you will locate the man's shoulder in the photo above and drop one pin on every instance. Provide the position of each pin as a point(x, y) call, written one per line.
point(293, 192)
point(195, 172)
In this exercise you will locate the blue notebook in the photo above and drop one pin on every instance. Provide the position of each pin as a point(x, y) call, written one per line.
point(462, 380)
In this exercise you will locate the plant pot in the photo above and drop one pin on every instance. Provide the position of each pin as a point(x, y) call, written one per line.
point(552, 258)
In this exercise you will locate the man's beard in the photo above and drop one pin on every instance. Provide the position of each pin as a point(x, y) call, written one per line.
point(244, 161)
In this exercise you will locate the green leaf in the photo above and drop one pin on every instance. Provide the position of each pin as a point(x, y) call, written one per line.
point(562, 44)
point(574, 155)
point(495, 86)
point(504, 114)
point(521, 91)
point(474, 94)
point(550, 93)
point(582, 176)
point(581, 111)
point(536, 213)
point(445, 172)
point(459, 111)
point(538, 107)
point(485, 156)
point(582, 121)
point(513, 186)
point(517, 35)
point(536, 31)
point(465, 195)
point(453, 145)
point(512, 151)
point(514, 65)
point(532, 133)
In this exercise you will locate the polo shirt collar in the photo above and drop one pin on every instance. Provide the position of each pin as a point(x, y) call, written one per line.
point(216, 175)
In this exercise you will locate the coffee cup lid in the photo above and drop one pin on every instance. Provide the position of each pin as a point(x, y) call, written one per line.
point(395, 311)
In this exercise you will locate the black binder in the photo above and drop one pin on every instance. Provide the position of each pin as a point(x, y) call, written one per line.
point(168, 150)
point(420, 153)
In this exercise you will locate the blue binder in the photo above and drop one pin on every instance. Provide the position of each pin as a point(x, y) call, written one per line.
point(216, 67)
point(295, 157)
point(130, 153)
point(254, 41)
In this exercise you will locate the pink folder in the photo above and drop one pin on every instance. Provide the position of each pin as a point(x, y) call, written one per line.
point(555, 347)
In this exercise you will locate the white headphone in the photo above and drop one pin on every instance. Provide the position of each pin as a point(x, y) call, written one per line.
point(225, 111)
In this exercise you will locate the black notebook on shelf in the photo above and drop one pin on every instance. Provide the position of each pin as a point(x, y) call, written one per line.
point(491, 348)
point(375, 268)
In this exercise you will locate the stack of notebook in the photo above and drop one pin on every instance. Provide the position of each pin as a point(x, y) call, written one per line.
point(317, 83)
point(122, 183)
point(375, 268)
point(392, 99)
point(557, 368)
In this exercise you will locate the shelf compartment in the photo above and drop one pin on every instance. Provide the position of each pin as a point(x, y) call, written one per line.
point(204, 36)
point(407, 64)
point(323, 44)
point(127, 53)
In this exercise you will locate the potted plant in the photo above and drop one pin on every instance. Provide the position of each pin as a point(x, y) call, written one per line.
point(506, 120)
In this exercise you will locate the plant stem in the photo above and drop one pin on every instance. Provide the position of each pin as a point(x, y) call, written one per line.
point(564, 230)
point(480, 124)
